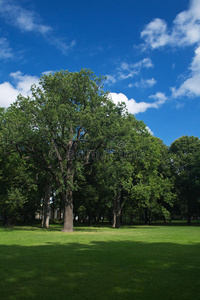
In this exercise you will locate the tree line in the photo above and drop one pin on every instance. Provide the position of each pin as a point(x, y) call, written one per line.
point(68, 146)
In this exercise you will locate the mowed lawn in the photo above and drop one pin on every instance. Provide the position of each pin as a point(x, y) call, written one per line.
point(139, 262)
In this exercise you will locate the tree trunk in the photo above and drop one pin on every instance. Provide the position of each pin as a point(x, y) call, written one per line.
point(53, 207)
point(6, 219)
point(114, 218)
point(188, 214)
point(90, 220)
point(60, 210)
point(117, 210)
point(97, 218)
point(146, 216)
point(46, 208)
point(189, 219)
point(131, 219)
point(68, 212)
point(142, 218)
point(150, 218)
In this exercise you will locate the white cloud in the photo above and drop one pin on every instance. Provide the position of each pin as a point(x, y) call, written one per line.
point(160, 98)
point(144, 83)
point(184, 31)
point(48, 72)
point(191, 86)
point(129, 70)
point(29, 21)
point(22, 84)
point(5, 50)
point(149, 130)
point(145, 63)
point(187, 25)
point(134, 107)
point(22, 18)
point(110, 79)
point(8, 94)
point(155, 33)
point(61, 44)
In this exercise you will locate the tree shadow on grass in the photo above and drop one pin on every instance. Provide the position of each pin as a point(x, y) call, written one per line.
point(100, 270)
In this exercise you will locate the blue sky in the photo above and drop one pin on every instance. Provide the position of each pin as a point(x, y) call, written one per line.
point(148, 49)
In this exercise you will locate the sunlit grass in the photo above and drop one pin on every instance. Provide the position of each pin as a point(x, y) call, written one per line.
point(139, 262)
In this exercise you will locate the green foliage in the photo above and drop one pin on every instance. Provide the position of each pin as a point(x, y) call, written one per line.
point(17, 187)
point(185, 154)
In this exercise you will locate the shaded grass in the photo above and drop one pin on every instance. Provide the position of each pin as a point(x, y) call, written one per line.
point(139, 262)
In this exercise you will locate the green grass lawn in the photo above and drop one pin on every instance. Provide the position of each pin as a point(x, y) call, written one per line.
point(138, 262)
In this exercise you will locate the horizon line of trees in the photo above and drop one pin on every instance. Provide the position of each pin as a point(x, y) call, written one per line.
point(68, 146)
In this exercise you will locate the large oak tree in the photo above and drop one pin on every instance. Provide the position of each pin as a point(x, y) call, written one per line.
point(67, 118)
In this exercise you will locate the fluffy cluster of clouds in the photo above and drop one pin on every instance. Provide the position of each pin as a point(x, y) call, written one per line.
point(138, 107)
point(129, 70)
point(191, 86)
point(185, 31)
point(21, 85)
point(144, 83)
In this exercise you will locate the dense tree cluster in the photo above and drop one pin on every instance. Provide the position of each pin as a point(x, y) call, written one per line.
point(69, 147)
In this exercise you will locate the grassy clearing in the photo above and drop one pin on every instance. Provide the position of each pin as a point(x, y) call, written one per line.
point(141, 262)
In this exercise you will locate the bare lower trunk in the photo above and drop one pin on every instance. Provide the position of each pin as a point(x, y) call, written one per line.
point(6, 220)
point(114, 219)
point(90, 220)
point(117, 210)
point(131, 220)
point(145, 216)
point(46, 208)
point(68, 213)
point(188, 215)
point(189, 219)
